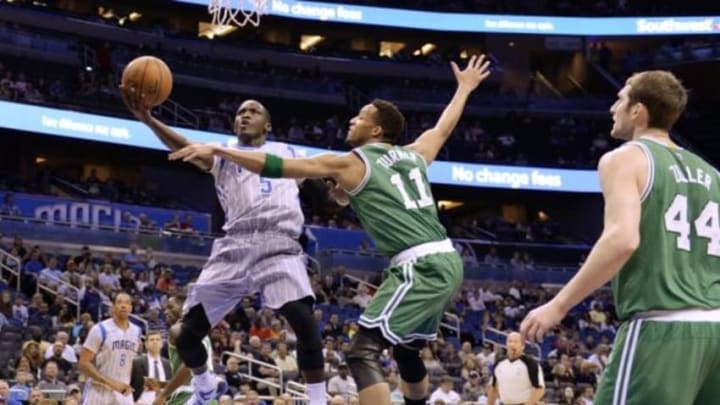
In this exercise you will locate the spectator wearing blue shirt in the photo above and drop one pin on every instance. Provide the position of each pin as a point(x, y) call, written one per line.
point(9, 208)
point(20, 391)
point(5, 394)
point(33, 265)
point(133, 259)
point(50, 275)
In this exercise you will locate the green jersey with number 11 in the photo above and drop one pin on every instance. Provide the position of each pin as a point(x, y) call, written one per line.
point(393, 201)
point(677, 265)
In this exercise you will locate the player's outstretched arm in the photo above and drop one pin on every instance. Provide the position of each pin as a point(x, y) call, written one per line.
point(432, 140)
point(171, 139)
point(623, 173)
point(342, 168)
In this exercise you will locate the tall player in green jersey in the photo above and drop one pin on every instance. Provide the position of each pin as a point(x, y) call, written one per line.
point(178, 390)
point(387, 186)
point(661, 243)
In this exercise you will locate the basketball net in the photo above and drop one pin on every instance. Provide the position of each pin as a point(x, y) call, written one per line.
point(237, 12)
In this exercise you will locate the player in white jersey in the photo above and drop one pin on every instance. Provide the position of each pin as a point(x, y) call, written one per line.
point(107, 356)
point(260, 252)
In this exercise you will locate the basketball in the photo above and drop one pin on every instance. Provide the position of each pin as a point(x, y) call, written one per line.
point(151, 77)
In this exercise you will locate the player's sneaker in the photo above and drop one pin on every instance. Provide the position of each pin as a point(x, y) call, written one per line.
point(207, 389)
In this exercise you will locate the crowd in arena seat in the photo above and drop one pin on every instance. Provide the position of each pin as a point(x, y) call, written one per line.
point(574, 357)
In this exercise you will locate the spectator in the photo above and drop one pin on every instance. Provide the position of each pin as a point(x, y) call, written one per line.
point(5, 394)
point(156, 323)
point(20, 391)
point(342, 384)
point(568, 397)
point(108, 279)
point(487, 356)
point(68, 353)
point(253, 398)
point(20, 310)
point(600, 356)
point(50, 385)
point(50, 276)
point(445, 392)
point(6, 304)
point(260, 329)
point(432, 365)
point(466, 351)
point(362, 298)
point(473, 388)
point(262, 371)
point(133, 259)
point(9, 208)
point(41, 317)
point(56, 356)
point(232, 373)
point(286, 362)
point(165, 283)
point(587, 396)
point(35, 396)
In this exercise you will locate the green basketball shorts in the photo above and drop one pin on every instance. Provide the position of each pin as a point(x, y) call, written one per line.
point(410, 303)
point(663, 363)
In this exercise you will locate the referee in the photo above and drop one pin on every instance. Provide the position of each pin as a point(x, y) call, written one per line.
point(518, 379)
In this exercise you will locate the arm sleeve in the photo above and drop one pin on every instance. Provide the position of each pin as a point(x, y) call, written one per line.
point(534, 371)
point(94, 339)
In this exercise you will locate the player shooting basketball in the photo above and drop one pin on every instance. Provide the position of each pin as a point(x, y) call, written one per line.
point(260, 252)
point(387, 186)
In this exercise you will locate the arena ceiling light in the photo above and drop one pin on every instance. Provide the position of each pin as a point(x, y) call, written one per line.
point(211, 31)
point(309, 41)
point(388, 48)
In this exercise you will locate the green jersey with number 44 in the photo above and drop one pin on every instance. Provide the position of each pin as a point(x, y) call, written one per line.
point(677, 265)
point(394, 202)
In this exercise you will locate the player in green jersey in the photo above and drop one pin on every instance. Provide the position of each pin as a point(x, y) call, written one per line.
point(661, 244)
point(178, 390)
point(388, 188)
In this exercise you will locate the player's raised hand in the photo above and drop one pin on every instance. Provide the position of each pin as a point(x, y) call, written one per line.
point(540, 320)
point(477, 70)
point(134, 102)
point(193, 151)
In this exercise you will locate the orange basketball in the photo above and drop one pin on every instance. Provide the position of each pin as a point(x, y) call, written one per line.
point(151, 77)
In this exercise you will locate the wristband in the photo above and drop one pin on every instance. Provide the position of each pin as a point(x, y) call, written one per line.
point(273, 166)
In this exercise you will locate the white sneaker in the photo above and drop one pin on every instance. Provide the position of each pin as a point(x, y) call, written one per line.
point(205, 390)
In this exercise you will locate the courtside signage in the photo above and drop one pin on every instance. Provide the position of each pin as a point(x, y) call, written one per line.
point(494, 23)
point(99, 128)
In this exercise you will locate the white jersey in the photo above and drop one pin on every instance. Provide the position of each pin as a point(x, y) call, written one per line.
point(114, 348)
point(253, 203)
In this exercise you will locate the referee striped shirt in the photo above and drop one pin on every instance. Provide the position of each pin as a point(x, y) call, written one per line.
point(515, 380)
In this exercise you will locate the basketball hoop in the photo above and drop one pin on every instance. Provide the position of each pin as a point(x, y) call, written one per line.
point(245, 12)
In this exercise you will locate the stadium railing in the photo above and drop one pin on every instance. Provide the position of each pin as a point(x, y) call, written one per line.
point(5, 268)
point(106, 235)
point(279, 385)
point(69, 299)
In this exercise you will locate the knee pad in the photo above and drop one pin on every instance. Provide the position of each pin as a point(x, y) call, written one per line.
point(299, 315)
point(193, 329)
point(411, 367)
point(364, 358)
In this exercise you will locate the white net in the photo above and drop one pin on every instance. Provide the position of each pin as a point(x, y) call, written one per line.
point(237, 12)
